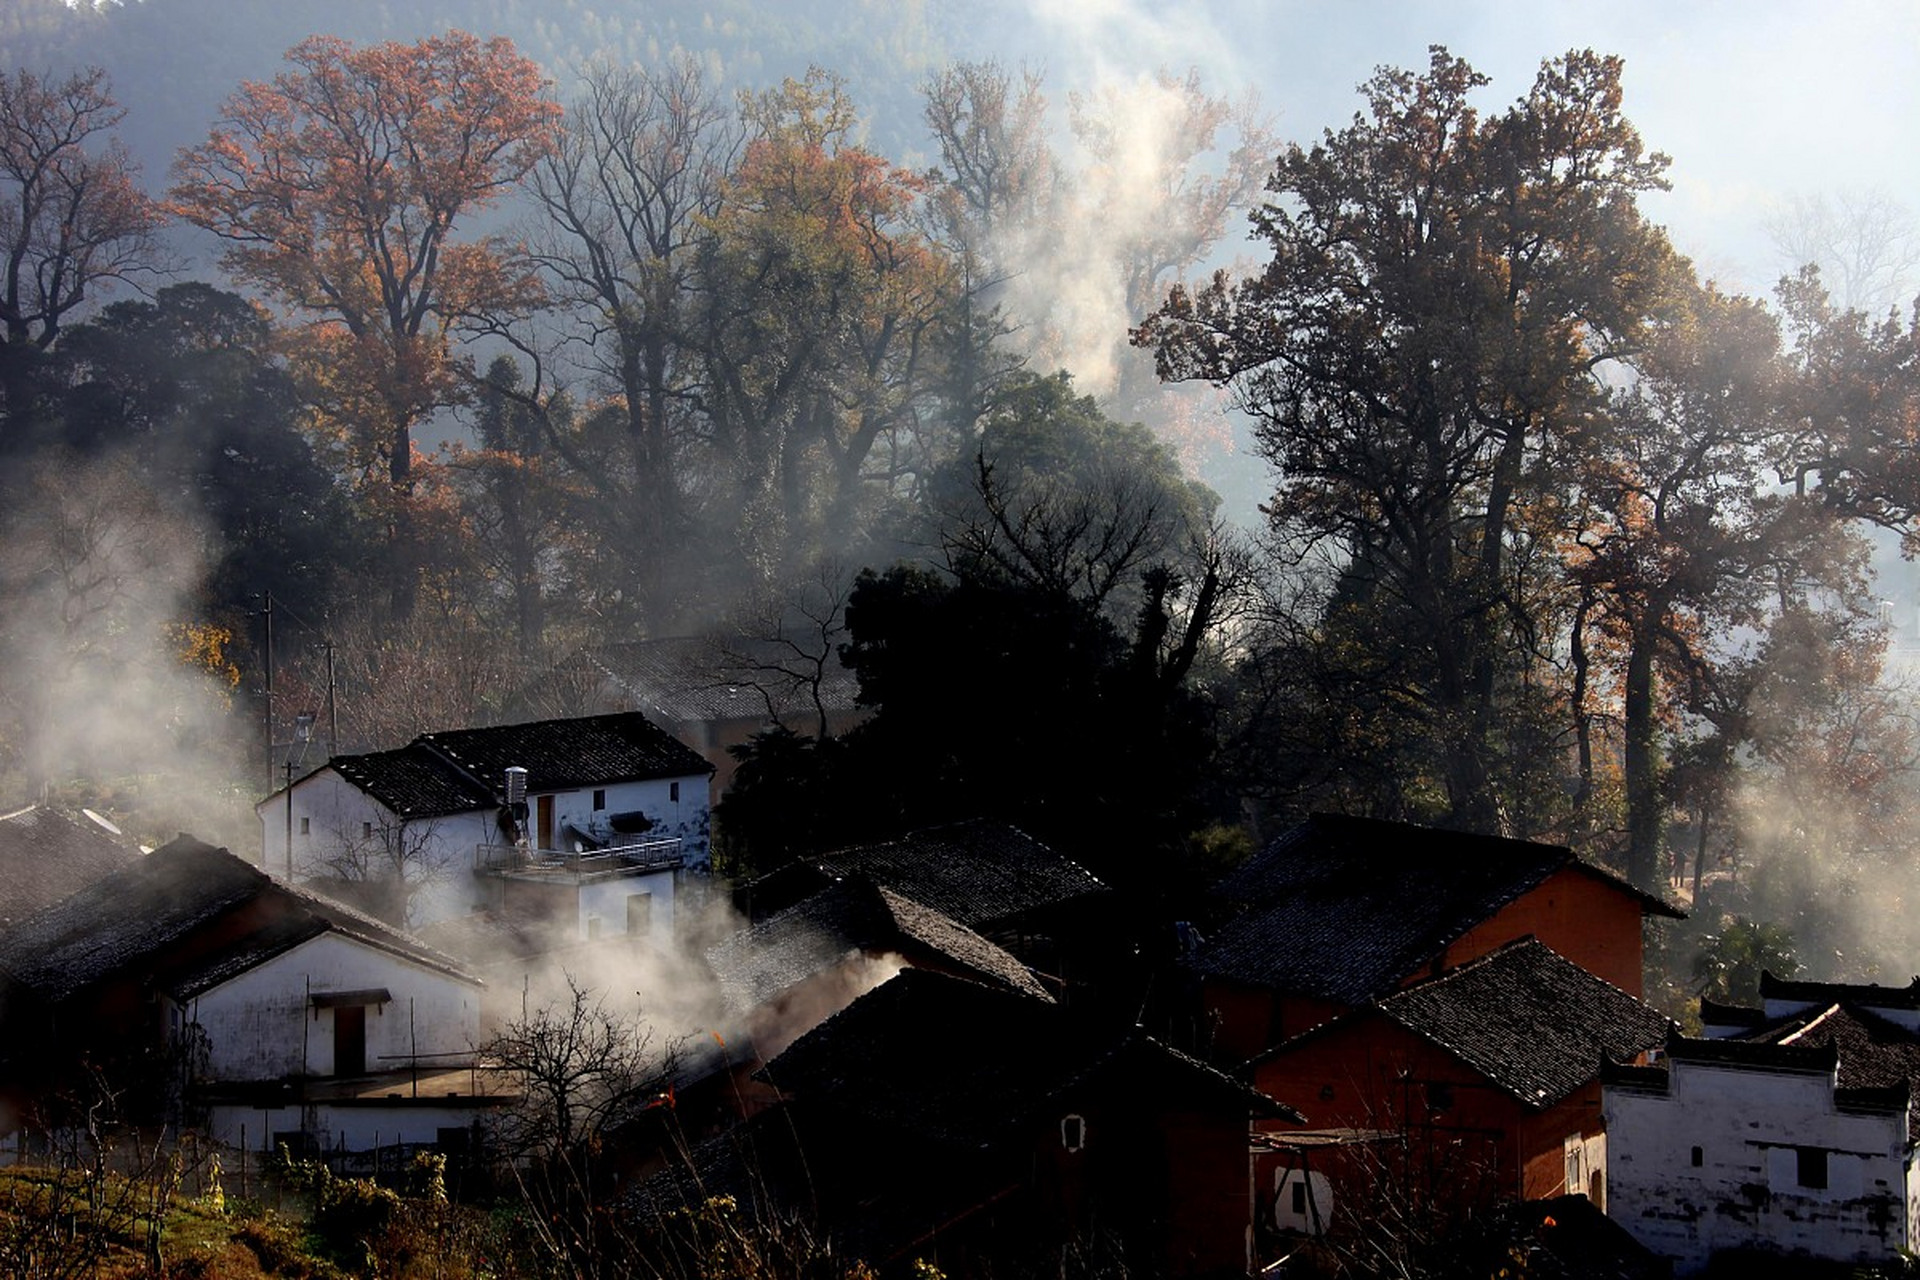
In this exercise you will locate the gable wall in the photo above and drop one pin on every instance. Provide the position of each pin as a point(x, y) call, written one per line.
point(259, 1025)
point(1748, 1125)
point(1587, 921)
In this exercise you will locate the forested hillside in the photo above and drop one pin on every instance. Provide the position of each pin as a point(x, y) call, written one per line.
point(477, 336)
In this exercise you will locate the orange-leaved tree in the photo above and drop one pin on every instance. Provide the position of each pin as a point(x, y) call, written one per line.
point(337, 188)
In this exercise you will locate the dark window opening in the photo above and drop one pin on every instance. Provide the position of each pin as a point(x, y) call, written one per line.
point(1699, 1157)
point(303, 825)
point(1440, 1096)
point(1073, 1133)
point(1812, 1169)
point(1300, 1197)
point(673, 792)
point(599, 800)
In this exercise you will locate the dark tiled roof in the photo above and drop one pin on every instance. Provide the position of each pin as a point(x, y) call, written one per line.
point(981, 873)
point(44, 856)
point(1876, 1056)
point(559, 754)
point(1533, 1023)
point(855, 915)
point(954, 1062)
point(1714, 1013)
point(1346, 909)
point(1571, 1239)
point(460, 770)
point(688, 679)
point(413, 782)
point(1868, 995)
point(1817, 1059)
point(129, 921)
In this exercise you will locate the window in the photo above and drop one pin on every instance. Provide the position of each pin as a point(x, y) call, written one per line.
point(1812, 1171)
point(1699, 1157)
point(673, 792)
point(1300, 1196)
point(1073, 1132)
point(599, 800)
point(639, 914)
point(366, 831)
point(303, 825)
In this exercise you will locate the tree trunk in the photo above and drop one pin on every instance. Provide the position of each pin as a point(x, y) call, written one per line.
point(1644, 824)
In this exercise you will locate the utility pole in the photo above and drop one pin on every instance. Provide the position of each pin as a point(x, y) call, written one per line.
point(289, 822)
point(266, 612)
point(333, 714)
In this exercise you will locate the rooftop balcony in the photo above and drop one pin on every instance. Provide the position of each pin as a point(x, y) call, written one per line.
point(522, 862)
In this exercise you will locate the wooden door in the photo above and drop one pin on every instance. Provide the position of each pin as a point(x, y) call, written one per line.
point(544, 806)
point(350, 1040)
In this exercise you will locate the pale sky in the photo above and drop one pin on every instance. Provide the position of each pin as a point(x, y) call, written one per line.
point(1756, 102)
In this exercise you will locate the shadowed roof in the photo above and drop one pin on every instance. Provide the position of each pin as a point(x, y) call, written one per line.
point(1530, 1021)
point(956, 1062)
point(855, 915)
point(44, 856)
point(130, 921)
point(1346, 909)
point(980, 872)
point(460, 770)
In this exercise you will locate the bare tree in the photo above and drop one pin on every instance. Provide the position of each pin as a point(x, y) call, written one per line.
point(582, 1067)
point(1865, 243)
point(384, 864)
point(72, 222)
point(627, 192)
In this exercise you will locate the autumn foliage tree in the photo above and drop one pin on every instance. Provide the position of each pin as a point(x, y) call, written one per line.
point(1442, 288)
point(337, 189)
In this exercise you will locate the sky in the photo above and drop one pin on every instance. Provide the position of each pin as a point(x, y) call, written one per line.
point(1756, 102)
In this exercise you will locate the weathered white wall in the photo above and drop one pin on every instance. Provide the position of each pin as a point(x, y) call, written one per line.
point(1748, 1124)
point(606, 902)
point(337, 815)
point(685, 819)
point(259, 1026)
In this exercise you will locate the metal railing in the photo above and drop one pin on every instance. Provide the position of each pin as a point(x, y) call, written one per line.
point(638, 855)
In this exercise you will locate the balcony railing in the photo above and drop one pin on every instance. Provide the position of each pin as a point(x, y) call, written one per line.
point(638, 856)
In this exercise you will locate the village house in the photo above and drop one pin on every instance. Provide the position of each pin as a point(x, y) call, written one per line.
point(1340, 912)
point(1788, 1129)
point(216, 996)
point(1479, 1084)
point(590, 823)
point(938, 1118)
point(46, 855)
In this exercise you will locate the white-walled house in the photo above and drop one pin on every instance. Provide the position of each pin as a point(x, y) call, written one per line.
point(601, 816)
point(251, 1008)
point(1795, 1139)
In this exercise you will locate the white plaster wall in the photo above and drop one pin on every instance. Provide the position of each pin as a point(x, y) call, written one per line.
point(258, 1026)
point(606, 901)
point(335, 811)
point(685, 819)
point(1747, 1124)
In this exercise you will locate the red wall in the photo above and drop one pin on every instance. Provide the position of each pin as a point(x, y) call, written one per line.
point(1590, 922)
point(1457, 1136)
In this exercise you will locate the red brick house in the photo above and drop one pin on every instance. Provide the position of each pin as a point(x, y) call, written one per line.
point(1340, 912)
point(1482, 1083)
